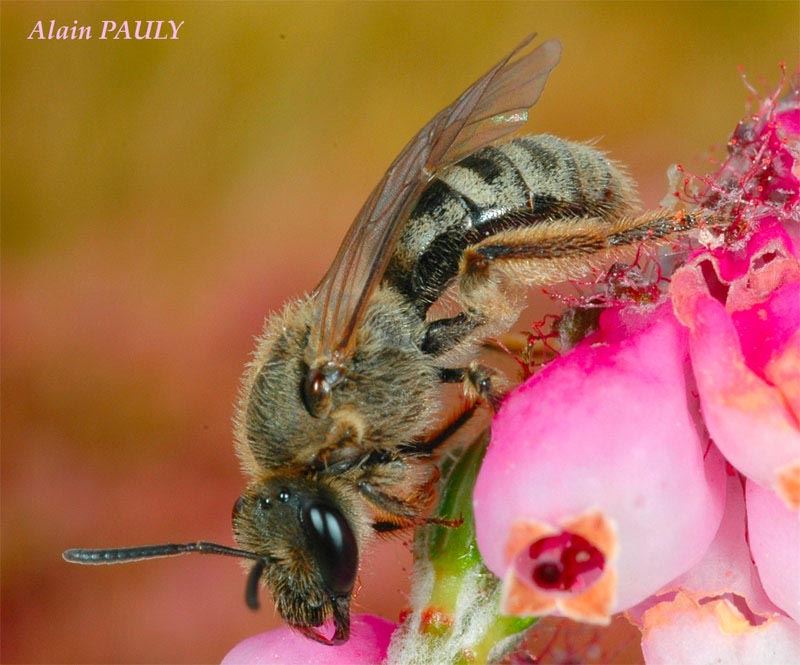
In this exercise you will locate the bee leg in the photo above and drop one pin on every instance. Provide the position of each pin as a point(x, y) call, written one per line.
point(480, 383)
point(442, 521)
point(442, 335)
point(400, 514)
point(554, 251)
point(444, 434)
point(387, 526)
point(395, 512)
point(343, 447)
point(401, 490)
point(424, 448)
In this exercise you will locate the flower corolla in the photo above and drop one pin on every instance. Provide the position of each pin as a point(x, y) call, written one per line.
point(654, 468)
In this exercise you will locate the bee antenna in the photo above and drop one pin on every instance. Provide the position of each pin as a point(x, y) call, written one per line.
point(130, 554)
point(251, 588)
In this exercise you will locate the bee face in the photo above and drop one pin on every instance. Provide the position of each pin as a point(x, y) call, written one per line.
point(299, 528)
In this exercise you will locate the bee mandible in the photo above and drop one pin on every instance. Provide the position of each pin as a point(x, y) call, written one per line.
point(334, 417)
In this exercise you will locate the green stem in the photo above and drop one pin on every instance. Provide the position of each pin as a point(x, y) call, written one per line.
point(455, 599)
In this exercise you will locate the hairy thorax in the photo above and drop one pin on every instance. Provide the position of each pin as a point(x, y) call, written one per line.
point(388, 395)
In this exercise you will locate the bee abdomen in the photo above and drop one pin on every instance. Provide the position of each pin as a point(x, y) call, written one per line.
point(497, 188)
point(575, 173)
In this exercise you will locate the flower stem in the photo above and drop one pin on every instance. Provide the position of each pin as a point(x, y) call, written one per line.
point(454, 617)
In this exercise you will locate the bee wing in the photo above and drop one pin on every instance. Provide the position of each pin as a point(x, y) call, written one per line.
point(493, 106)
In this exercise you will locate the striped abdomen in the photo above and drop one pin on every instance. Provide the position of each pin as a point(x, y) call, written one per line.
point(519, 183)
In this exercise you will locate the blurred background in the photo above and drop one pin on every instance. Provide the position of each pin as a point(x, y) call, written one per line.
point(159, 198)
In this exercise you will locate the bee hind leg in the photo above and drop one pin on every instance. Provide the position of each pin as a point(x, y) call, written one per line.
point(553, 251)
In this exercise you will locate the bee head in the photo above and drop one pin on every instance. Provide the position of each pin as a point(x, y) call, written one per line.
point(307, 552)
point(301, 545)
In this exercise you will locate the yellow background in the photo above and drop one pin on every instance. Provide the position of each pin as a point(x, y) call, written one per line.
point(158, 198)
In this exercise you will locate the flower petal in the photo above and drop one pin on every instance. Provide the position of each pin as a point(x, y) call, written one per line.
point(732, 265)
point(783, 371)
point(369, 639)
point(605, 430)
point(774, 533)
point(685, 631)
point(767, 329)
point(726, 569)
point(750, 420)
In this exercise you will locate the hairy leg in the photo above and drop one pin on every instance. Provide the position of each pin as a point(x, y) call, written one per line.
point(479, 383)
point(401, 487)
point(555, 251)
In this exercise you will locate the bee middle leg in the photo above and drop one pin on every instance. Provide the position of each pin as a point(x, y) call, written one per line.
point(440, 437)
point(480, 383)
point(396, 513)
point(441, 336)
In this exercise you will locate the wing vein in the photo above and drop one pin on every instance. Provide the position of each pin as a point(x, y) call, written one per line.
point(493, 106)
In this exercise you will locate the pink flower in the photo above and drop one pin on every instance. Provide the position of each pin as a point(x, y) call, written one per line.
point(369, 640)
point(604, 488)
point(744, 343)
point(774, 534)
point(603, 445)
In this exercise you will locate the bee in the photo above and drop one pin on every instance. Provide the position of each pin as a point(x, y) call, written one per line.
point(333, 423)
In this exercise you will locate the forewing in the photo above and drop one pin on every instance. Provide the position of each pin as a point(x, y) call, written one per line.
point(493, 106)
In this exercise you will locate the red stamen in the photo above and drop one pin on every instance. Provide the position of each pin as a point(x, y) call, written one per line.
point(566, 562)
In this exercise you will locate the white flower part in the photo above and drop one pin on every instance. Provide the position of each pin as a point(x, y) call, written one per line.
point(476, 611)
point(716, 633)
point(774, 532)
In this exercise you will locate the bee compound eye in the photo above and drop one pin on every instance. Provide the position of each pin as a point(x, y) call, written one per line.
point(333, 546)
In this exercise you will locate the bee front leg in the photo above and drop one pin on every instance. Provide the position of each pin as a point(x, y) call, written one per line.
point(393, 512)
point(343, 448)
point(396, 513)
point(400, 489)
